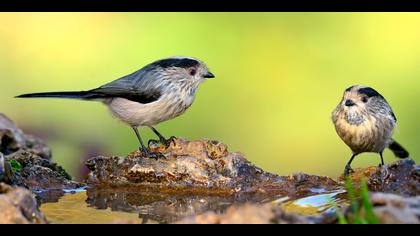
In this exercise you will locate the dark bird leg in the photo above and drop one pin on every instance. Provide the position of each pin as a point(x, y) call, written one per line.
point(143, 148)
point(382, 160)
point(163, 140)
point(348, 168)
point(145, 219)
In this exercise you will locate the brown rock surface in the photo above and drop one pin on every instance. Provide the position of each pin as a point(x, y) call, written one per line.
point(18, 206)
point(13, 139)
point(37, 171)
point(401, 177)
point(394, 209)
point(203, 164)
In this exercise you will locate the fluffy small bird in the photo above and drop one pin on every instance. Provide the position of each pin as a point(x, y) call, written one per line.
point(158, 92)
point(365, 122)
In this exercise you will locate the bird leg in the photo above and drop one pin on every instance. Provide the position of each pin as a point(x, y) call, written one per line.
point(162, 140)
point(143, 148)
point(382, 160)
point(348, 168)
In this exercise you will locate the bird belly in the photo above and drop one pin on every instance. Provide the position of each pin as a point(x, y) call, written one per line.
point(137, 114)
point(365, 137)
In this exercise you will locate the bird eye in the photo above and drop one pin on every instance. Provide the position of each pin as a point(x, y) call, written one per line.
point(193, 72)
point(365, 99)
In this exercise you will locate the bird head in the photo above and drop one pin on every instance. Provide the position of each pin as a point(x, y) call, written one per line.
point(361, 99)
point(187, 70)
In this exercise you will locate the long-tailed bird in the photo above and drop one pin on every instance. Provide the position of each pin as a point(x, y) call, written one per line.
point(158, 92)
point(365, 122)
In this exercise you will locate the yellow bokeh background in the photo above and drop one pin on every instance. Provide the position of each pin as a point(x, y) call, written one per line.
point(279, 76)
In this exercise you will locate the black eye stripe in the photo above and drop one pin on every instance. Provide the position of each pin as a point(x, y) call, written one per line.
point(370, 92)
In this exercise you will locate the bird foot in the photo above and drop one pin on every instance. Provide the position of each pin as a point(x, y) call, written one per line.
point(152, 155)
point(348, 170)
point(165, 142)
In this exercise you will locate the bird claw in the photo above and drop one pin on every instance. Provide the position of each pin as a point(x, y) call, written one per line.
point(172, 139)
point(155, 155)
point(152, 155)
point(165, 142)
point(152, 142)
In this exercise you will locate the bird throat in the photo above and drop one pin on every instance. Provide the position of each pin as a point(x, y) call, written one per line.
point(354, 118)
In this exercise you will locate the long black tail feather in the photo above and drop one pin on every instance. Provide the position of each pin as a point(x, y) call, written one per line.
point(398, 150)
point(71, 95)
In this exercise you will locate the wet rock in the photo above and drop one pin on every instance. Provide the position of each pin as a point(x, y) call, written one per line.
point(394, 209)
point(38, 173)
point(11, 138)
point(18, 206)
point(401, 177)
point(31, 158)
point(194, 177)
point(203, 164)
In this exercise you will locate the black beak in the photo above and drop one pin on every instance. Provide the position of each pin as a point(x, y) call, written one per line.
point(349, 103)
point(209, 75)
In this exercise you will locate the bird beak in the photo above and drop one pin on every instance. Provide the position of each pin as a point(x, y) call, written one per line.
point(209, 75)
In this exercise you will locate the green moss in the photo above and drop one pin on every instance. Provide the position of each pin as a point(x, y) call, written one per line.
point(16, 166)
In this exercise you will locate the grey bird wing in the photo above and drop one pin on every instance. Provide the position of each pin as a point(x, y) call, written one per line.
point(138, 87)
point(389, 110)
point(393, 116)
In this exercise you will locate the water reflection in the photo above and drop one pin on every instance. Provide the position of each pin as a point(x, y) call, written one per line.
point(145, 206)
point(164, 207)
point(318, 204)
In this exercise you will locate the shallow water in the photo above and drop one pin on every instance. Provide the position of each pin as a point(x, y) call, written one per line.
point(128, 206)
point(318, 204)
point(73, 209)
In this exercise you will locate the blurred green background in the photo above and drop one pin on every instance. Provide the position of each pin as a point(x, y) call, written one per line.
point(279, 76)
